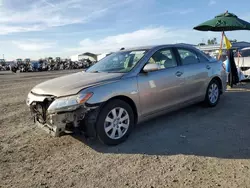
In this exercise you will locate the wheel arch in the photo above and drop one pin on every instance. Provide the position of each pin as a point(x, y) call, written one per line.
point(218, 79)
point(128, 100)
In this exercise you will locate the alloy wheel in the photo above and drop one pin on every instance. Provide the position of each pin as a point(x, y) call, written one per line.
point(116, 123)
point(213, 93)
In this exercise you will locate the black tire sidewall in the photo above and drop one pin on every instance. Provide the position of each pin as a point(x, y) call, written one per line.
point(208, 102)
point(101, 134)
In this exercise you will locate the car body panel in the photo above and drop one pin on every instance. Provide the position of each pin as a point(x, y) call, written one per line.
point(120, 88)
point(196, 78)
point(160, 89)
point(73, 83)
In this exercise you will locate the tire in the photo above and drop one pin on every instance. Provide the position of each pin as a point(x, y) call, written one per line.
point(111, 130)
point(213, 98)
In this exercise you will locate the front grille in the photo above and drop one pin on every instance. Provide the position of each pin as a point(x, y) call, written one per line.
point(40, 110)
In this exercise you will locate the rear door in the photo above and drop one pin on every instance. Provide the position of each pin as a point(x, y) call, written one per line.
point(196, 69)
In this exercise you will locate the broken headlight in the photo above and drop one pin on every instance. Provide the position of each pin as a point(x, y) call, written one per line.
point(69, 103)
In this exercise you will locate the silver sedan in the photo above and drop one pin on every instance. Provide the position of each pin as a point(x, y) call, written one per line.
point(125, 88)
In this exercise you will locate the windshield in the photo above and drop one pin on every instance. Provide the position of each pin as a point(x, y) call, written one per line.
point(118, 62)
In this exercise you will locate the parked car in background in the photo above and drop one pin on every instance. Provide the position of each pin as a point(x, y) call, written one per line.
point(125, 88)
point(243, 61)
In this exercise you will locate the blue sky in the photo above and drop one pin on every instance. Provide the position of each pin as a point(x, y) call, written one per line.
point(42, 28)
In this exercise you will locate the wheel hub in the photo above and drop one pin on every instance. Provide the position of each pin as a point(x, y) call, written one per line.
point(116, 123)
point(213, 93)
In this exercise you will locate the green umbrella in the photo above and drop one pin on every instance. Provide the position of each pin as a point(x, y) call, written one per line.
point(224, 22)
point(221, 23)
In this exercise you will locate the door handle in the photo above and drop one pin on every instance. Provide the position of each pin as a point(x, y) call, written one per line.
point(178, 73)
point(208, 67)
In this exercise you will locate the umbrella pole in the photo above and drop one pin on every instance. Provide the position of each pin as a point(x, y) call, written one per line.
point(230, 63)
point(238, 60)
point(221, 42)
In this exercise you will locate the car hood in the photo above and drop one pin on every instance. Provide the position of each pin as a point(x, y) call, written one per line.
point(73, 83)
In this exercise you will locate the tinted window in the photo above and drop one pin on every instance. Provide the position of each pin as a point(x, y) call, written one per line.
point(164, 59)
point(202, 58)
point(188, 57)
point(245, 53)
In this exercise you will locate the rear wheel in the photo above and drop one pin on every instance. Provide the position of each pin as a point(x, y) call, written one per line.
point(115, 122)
point(213, 93)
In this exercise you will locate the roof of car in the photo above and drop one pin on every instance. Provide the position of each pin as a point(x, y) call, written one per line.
point(157, 46)
point(247, 48)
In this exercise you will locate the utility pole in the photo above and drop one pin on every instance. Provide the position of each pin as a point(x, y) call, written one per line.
point(3, 56)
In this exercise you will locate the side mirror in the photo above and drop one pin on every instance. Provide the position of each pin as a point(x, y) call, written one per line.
point(150, 67)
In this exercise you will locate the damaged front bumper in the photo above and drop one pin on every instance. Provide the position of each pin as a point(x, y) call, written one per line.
point(56, 124)
point(61, 122)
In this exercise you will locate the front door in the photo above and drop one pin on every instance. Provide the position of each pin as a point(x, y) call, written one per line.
point(161, 88)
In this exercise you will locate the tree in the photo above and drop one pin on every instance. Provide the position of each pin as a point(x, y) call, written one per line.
point(215, 41)
point(212, 41)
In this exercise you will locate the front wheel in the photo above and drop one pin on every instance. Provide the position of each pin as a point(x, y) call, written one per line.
point(115, 122)
point(213, 93)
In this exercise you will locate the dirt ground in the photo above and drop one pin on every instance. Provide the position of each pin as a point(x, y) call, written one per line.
point(193, 147)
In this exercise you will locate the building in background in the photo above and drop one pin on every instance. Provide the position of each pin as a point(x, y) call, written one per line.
point(101, 56)
point(74, 57)
point(215, 47)
point(87, 55)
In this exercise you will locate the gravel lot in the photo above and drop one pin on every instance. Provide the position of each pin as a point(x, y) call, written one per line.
point(193, 147)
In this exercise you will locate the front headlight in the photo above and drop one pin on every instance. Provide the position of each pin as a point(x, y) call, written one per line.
point(69, 103)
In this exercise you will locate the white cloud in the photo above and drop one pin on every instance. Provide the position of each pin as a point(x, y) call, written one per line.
point(148, 36)
point(46, 13)
point(6, 29)
point(48, 3)
point(36, 49)
point(212, 2)
point(177, 11)
point(33, 45)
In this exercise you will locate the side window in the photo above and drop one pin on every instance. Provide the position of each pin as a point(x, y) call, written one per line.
point(164, 59)
point(188, 57)
point(202, 58)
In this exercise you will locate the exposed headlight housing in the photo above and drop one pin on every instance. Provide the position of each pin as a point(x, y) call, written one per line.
point(69, 103)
